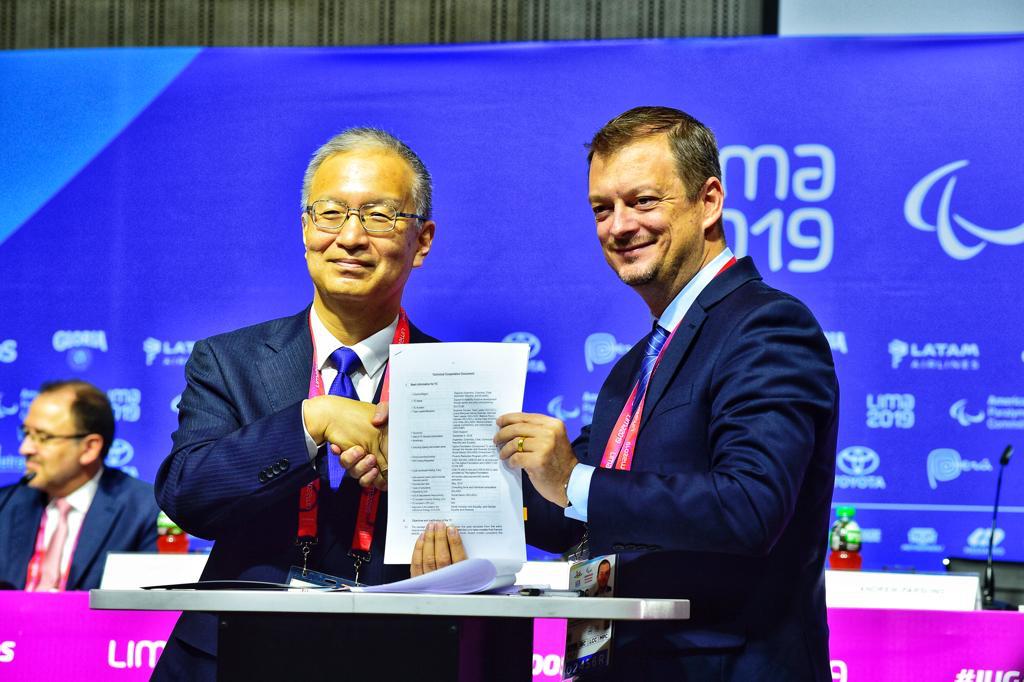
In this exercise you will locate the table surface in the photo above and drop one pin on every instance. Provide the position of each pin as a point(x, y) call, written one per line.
point(486, 605)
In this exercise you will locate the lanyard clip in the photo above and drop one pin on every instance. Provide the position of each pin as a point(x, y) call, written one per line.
point(358, 559)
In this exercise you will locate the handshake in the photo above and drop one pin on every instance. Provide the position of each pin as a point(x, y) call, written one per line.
point(357, 433)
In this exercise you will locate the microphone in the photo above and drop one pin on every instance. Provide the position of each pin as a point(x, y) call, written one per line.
point(988, 585)
point(14, 488)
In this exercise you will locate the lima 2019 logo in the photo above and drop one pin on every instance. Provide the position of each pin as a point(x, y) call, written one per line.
point(950, 242)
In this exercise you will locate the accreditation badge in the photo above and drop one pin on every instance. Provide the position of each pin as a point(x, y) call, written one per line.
point(588, 642)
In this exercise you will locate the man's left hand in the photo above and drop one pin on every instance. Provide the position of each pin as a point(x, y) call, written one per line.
point(539, 445)
point(436, 547)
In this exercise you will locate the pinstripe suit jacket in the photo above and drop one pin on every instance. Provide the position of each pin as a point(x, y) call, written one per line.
point(239, 460)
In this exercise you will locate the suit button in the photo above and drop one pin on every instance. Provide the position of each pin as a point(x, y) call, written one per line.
point(617, 547)
point(263, 476)
point(283, 463)
point(276, 469)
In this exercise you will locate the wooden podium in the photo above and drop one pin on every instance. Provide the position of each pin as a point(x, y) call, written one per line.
point(279, 635)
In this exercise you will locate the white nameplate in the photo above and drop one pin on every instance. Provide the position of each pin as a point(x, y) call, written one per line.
point(885, 590)
point(131, 570)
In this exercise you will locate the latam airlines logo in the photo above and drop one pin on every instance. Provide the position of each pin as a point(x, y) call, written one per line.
point(168, 352)
point(944, 217)
point(858, 464)
point(963, 356)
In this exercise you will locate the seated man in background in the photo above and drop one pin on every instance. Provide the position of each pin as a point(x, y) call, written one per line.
point(58, 523)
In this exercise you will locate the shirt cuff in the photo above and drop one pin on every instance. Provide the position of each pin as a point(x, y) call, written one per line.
point(578, 491)
point(311, 446)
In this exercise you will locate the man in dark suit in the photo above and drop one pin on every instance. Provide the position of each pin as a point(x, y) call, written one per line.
point(709, 464)
point(248, 465)
point(58, 523)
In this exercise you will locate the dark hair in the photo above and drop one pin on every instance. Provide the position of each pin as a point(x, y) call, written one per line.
point(91, 409)
point(693, 144)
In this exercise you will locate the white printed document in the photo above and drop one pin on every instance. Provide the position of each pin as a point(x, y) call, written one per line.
point(442, 462)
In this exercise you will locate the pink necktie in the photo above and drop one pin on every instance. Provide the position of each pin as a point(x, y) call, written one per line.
point(49, 578)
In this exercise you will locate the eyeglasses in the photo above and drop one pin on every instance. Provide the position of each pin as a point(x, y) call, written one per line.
point(330, 216)
point(42, 437)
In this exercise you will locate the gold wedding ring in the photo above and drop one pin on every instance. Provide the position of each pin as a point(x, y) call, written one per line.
point(519, 444)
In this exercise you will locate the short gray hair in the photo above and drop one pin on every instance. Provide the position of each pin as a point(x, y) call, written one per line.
point(365, 137)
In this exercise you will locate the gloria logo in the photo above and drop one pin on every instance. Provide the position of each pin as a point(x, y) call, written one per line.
point(126, 403)
point(8, 351)
point(922, 540)
point(939, 355)
point(946, 464)
point(169, 352)
point(949, 240)
point(79, 345)
point(535, 365)
point(977, 541)
point(600, 348)
point(858, 464)
point(890, 410)
point(958, 411)
point(141, 654)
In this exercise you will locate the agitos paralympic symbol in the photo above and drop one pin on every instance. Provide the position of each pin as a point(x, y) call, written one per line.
point(945, 218)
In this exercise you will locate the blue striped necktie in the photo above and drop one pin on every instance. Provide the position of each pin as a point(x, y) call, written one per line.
point(346, 360)
point(654, 345)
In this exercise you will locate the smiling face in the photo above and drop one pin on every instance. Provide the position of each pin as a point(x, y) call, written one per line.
point(353, 266)
point(651, 234)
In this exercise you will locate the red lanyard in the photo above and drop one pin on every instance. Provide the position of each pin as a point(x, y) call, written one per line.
point(362, 537)
point(618, 452)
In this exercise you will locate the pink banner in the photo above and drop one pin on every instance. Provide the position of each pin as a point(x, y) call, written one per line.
point(57, 636)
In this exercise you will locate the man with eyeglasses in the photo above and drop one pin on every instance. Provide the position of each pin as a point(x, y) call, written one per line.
point(267, 409)
point(68, 511)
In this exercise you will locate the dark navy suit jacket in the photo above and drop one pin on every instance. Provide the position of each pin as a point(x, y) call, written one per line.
point(237, 465)
point(122, 518)
point(727, 503)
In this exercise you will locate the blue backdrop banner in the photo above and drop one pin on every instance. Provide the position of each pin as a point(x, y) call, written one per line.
point(151, 198)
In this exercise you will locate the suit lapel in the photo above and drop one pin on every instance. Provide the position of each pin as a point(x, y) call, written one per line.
point(285, 366)
point(689, 329)
point(97, 526)
point(20, 541)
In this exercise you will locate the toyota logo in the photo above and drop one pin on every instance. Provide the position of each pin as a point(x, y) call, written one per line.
point(858, 460)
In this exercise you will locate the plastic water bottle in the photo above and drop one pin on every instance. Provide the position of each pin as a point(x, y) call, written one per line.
point(844, 540)
point(170, 539)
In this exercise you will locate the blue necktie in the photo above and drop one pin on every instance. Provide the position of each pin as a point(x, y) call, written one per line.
point(346, 360)
point(654, 345)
